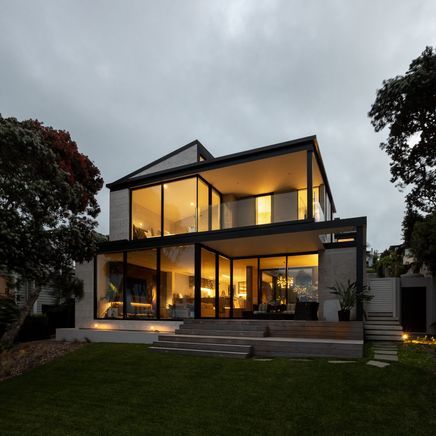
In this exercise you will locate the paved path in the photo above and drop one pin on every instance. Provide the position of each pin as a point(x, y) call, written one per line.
point(384, 352)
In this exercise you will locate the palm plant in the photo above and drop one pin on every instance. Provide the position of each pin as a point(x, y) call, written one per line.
point(348, 295)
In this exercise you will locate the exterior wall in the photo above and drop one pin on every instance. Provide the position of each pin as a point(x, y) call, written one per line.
point(336, 264)
point(119, 215)
point(185, 157)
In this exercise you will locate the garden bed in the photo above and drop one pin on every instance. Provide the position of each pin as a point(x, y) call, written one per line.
point(25, 356)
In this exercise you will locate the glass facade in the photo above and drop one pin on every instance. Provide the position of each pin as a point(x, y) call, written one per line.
point(263, 209)
point(224, 287)
point(141, 284)
point(146, 212)
point(110, 284)
point(180, 200)
point(208, 284)
point(245, 286)
point(177, 290)
point(203, 206)
point(273, 280)
point(160, 284)
point(184, 206)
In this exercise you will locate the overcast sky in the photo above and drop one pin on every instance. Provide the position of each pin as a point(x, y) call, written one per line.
point(133, 80)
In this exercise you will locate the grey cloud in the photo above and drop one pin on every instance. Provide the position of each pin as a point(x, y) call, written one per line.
point(133, 80)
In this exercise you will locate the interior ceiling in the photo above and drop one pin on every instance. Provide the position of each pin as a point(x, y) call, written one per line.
point(278, 173)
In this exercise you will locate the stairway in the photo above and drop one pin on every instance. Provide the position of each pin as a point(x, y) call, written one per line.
point(382, 326)
point(211, 337)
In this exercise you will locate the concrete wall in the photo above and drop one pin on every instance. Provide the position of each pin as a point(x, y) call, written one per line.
point(119, 215)
point(337, 264)
point(185, 157)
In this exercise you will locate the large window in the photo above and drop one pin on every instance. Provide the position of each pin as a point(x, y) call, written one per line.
point(273, 280)
point(224, 287)
point(177, 268)
point(216, 210)
point(189, 205)
point(146, 212)
point(110, 283)
point(302, 203)
point(263, 209)
point(203, 206)
point(180, 200)
point(140, 288)
point(302, 278)
point(208, 284)
point(245, 284)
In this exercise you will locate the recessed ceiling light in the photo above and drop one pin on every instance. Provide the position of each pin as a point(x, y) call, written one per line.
point(165, 186)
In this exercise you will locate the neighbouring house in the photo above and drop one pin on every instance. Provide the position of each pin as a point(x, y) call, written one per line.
point(21, 293)
point(248, 237)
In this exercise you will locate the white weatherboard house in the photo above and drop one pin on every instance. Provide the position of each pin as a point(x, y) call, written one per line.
point(208, 253)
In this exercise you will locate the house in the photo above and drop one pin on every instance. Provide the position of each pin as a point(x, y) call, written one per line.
point(21, 293)
point(249, 236)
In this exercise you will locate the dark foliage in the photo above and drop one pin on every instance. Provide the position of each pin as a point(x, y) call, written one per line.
point(407, 106)
point(48, 205)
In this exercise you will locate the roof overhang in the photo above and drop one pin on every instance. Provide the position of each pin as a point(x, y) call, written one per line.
point(295, 237)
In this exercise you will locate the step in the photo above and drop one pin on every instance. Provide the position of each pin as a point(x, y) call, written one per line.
point(384, 332)
point(198, 352)
point(204, 346)
point(382, 318)
point(222, 326)
point(210, 332)
point(382, 327)
point(383, 337)
point(381, 322)
point(380, 314)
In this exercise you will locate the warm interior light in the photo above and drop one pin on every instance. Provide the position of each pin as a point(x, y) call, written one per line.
point(192, 204)
point(405, 336)
point(263, 209)
point(141, 304)
point(165, 186)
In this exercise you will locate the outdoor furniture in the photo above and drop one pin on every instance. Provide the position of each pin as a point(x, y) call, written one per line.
point(306, 310)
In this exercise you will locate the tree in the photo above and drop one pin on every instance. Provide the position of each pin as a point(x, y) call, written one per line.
point(48, 207)
point(407, 106)
point(423, 242)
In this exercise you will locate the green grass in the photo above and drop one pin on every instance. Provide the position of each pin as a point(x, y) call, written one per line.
point(126, 389)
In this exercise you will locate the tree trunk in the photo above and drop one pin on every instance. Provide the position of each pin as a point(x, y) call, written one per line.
point(11, 332)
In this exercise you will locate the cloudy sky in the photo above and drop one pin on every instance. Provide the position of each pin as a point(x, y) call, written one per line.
point(133, 80)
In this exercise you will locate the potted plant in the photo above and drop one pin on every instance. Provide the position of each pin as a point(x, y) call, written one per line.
point(348, 297)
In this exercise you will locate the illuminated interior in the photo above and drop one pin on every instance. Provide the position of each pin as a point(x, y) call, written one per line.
point(263, 209)
point(278, 283)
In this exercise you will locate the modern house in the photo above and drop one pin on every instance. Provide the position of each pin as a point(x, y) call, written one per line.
point(246, 239)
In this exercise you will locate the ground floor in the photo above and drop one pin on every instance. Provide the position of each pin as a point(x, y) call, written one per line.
point(269, 273)
point(194, 281)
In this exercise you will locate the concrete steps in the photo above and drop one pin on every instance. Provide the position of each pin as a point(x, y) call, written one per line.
point(192, 346)
point(223, 327)
point(207, 337)
point(382, 327)
point(201, 352)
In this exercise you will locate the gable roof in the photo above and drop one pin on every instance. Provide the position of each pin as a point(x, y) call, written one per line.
point(136, 179)
point(201, 150)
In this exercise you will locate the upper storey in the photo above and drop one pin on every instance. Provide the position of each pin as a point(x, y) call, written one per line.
point(191, 191)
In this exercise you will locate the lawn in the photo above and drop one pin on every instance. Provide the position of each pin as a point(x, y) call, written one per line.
point(126, 389)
